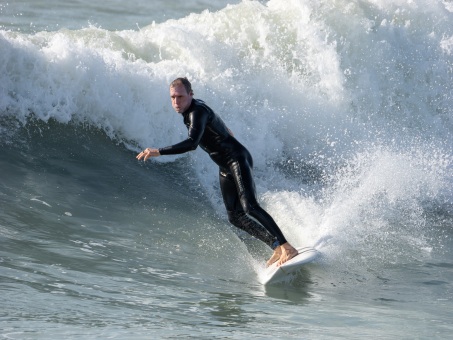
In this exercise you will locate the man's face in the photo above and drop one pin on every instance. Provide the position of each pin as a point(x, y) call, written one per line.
point(180, 99)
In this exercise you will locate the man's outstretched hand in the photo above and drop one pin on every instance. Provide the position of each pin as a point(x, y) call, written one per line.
point(147, 153)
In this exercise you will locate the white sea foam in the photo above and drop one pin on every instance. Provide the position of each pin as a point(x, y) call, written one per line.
point(346, 108)
point(358, 91)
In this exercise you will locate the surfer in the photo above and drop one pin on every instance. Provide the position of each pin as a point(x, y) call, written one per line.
point(207, 130)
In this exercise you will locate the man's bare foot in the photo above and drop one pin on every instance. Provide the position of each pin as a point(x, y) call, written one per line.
point(287, 253)
point(275, 256)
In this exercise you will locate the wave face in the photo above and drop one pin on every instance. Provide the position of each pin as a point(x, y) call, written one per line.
point(350, 101)
point(346, 107)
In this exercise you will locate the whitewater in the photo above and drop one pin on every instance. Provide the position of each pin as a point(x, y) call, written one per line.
point(347, 109)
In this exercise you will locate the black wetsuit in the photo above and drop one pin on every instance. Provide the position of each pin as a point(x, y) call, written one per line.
point(207, 130)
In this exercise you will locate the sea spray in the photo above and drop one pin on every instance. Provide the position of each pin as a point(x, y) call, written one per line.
point(332, 88)
point(346, 109)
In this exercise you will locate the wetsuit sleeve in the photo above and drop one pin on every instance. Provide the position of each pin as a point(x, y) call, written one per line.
point(197, 124)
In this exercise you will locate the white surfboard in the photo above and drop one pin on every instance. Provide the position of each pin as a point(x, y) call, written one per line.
point(274, 273)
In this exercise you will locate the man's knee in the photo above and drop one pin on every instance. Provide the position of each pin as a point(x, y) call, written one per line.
point(248, 206)
point(235, 218)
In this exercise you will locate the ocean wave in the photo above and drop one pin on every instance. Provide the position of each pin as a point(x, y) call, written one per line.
point(355, 96)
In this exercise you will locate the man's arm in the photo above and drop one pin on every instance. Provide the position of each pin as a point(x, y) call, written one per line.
point(198, 120)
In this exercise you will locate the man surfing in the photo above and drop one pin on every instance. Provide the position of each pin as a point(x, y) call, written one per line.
point(207, 130)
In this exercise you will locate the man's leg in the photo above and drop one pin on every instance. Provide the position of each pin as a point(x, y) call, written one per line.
point(236, 214)
point(242, 174)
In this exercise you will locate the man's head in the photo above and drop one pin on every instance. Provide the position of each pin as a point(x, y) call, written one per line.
point(181, 94)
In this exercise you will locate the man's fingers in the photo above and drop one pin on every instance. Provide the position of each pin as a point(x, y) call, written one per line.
point(141, 155)
point(147, 153)
point(144, 155)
